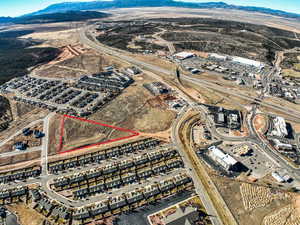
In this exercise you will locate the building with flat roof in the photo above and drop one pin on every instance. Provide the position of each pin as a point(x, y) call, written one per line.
point(279, 127)
point(184, 55)
point(246, 61)
point(225, 160)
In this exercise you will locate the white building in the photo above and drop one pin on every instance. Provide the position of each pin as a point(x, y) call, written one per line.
point(283, 146)
point(277, 177)
point(249, 62)
point(184, 55)
point(217, 56)
point(279, 127)
point(220, 157)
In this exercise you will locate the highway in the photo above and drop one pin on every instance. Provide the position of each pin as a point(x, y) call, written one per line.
point(158, 70)
point(254, 137)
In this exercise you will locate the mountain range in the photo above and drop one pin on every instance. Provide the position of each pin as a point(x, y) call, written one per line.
point(95, 5)
point(102, 5)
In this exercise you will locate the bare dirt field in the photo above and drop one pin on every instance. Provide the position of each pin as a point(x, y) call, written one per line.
point(291, 73)
point(26, 215)
point(23, 109)
point(54, 134)
point(55, 37)
point(78, 133)
point(260, 123)
point(24, 157)
point(134, 112)
point(230, 191)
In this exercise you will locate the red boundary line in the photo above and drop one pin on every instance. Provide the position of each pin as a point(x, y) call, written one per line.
point(134, 133)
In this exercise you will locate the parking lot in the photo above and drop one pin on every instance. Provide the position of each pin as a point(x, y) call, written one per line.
point(242, 73)
point(256, 160)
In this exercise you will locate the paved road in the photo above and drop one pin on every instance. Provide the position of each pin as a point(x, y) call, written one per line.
point(45, 143)
point(199, 188)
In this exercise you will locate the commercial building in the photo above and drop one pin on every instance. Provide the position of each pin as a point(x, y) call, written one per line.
point(282, 146)
point(249, 62)
point(225, 160)
point(184, 55)
point(277, 177)
point(279, 127)
point(217, 56)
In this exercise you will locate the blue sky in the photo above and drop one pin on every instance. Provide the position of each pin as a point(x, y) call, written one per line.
point(19, 7)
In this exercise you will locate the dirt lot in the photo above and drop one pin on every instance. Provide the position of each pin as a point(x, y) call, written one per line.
point(23, 109)
point(30, 140)
point(74, 66)
point(134, 112)
point(291, 73)
point(26, 215)
point(55, 37)
point(78, 133)
point(230, 191)
point(25, 116)
point(260, 123)
point(20, 158)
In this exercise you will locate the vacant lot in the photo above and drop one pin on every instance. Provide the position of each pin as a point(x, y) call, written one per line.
point(131, 110)
point(230, 191)
point(79, 133)
point(26, 215)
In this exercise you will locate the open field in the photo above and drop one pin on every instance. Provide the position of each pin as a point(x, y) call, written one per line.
point(291, 64)
point(235, 15)
point(231, 192)
point(135, 113)
point(78, 133)
point(26, 215)
point(24, 157)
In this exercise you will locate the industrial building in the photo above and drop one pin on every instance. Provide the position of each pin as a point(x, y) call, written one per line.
point(225, 160)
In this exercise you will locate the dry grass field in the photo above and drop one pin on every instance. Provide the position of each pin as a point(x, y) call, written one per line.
point(26, 215)
point(265, 201)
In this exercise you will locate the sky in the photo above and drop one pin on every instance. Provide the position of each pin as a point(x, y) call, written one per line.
point(20, 7)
